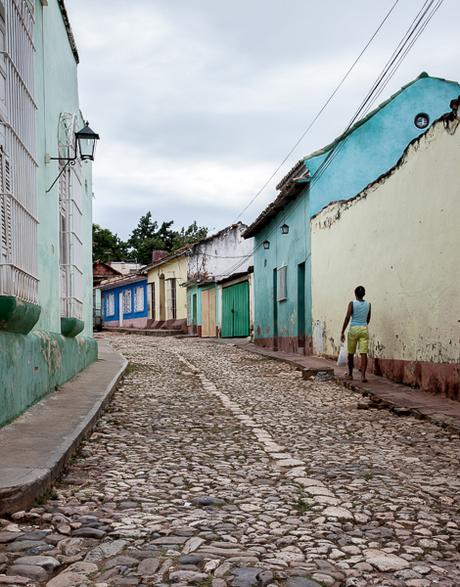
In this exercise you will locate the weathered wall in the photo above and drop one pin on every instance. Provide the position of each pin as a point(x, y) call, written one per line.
point(173, 269)
point(369, 151)
point(221, 255)
point(400, 239)
point(56, 90)
point(47, 360)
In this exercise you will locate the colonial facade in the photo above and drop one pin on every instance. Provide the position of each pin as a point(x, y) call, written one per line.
point(45, 253)
point(125, 302)
point(282, 250)
point(168, 299)
point(399, 237)
point(219, 277)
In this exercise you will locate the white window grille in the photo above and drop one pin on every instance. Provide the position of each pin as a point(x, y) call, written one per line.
point(110, 304)
point(171, 295)
point(282, 283)
point(70, 241)
point(139, 299)
point(18, 197)
point(127, 301)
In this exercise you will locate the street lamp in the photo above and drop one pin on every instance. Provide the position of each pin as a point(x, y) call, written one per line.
point(84, 147)
point(86, 139)
point(266, 245)
point(285, 229)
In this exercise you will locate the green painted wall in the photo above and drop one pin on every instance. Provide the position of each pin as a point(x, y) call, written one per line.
point(33, 365)
point(56, 91)
point(46, 360)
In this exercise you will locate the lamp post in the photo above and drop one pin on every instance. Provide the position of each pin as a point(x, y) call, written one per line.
point(266, 245)
point(84, 148)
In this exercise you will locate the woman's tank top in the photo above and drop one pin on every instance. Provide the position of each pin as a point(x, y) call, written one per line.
point(360, 313)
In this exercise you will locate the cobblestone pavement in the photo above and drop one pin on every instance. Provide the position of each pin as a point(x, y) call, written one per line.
point(214, 467)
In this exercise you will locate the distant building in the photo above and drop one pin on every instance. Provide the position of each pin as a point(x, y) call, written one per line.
point(168, 298)
point(219, 284)
point(125, 302)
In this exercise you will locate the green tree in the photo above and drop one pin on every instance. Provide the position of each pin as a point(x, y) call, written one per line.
point(107, 246)
point(148, 236)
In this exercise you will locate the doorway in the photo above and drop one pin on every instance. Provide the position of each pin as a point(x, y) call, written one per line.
point(275, 309)
point(120, 308)
point(208, 309)
point(301, 318)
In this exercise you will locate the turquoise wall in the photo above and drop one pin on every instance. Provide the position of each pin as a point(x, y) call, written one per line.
point(33, 365)
point(46, 359)
point(56, 90)
point(368, 152)
point(285, 250)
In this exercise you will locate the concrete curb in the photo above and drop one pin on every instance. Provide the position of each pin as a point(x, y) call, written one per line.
point(37, 446)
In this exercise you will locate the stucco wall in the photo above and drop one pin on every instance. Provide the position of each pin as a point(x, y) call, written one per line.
point(56, 90)
point(221, 255)
point(173, 269)
point(285, 250)
point(47, 360)
point(400, 239)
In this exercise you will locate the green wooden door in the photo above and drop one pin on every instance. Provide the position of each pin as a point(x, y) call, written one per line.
point(235, 310)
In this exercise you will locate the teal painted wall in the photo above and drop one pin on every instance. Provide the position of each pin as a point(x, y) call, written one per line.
point(285, 250)
point(56, 90)
point(369, 151)
point(33, 365)
point(46, 359)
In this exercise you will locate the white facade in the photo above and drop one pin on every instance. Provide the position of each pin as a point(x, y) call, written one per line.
point(221, 255)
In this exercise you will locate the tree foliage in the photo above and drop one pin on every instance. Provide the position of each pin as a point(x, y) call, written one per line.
point(148, 236)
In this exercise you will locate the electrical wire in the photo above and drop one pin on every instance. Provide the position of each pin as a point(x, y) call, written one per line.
point(416, 28)
point(304, 133)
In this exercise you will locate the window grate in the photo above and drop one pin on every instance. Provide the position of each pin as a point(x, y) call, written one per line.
point(18, 197)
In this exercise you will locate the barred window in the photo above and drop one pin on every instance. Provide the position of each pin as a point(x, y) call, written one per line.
point(127, 306)
point(18, 197)
point(139, 299)
point(70, 241)
point(110, 304)
point(282, 283)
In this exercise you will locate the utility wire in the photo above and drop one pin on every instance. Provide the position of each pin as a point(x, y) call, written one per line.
point(416, 28)
point(302, 136)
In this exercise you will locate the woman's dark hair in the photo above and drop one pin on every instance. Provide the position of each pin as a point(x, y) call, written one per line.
point(360, 292)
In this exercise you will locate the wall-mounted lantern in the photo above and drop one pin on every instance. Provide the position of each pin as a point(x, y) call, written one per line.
point(86, 139)
point(84, 148)
point(285, 229)
point(266, 245)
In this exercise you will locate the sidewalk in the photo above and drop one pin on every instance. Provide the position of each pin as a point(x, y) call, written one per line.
point(383, 393)
point(38, 444)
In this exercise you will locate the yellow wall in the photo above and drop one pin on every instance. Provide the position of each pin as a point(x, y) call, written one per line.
point(175, 268)
point(401, 240)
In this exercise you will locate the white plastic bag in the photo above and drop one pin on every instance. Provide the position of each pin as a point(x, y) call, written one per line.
point(342, 359)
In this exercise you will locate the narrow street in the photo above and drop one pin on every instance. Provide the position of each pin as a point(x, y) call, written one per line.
point(216, 467)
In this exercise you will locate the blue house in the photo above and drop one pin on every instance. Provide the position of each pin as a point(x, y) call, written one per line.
point(125, 302)
point(282, 274)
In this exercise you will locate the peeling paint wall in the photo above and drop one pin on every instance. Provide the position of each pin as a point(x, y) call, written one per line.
point(400, 238)
point(47, 361)
point(221, 255)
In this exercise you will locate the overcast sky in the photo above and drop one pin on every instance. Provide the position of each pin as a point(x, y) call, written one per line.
point(198, 101)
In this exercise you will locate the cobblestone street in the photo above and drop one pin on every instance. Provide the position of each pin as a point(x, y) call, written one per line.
point(216, 467)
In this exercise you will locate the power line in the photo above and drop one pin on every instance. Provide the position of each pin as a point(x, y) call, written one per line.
point(302, 136)
point(416, 28)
